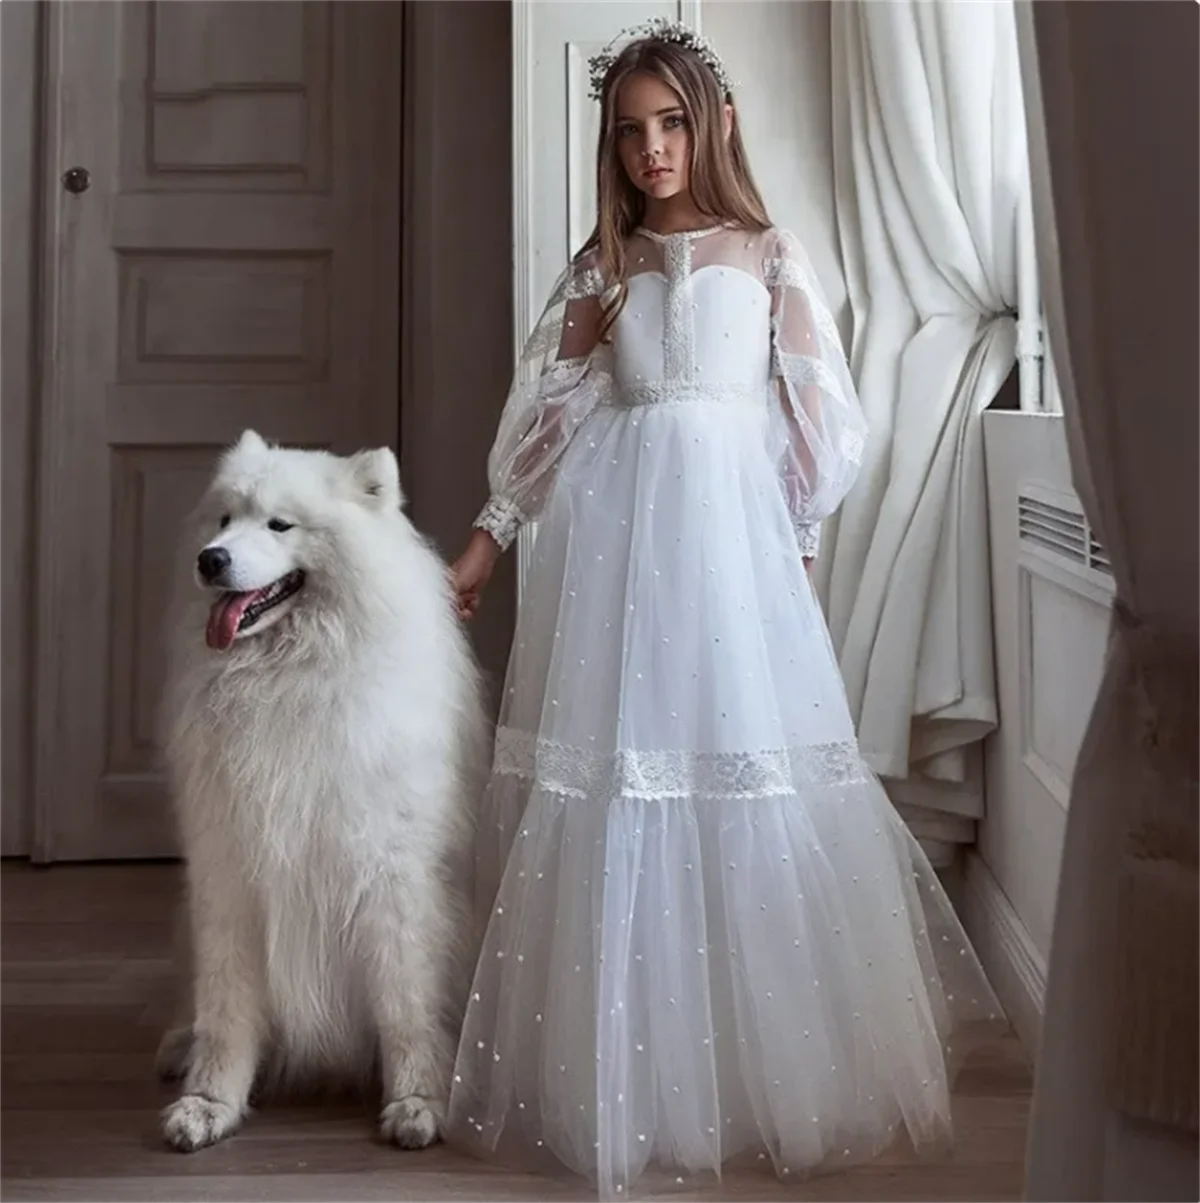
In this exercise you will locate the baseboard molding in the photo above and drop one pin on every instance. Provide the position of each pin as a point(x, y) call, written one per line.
point(1016, 969)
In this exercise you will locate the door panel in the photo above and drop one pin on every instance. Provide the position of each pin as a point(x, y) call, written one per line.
point(233, 262)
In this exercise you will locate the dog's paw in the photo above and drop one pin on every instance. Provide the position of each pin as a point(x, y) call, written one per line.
point(193, 1122)
point(413, 1122)
point(174, 1054)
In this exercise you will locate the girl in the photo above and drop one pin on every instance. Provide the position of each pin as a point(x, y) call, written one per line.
point(708, 932)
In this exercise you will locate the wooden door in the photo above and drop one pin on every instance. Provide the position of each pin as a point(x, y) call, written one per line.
point(233, 261)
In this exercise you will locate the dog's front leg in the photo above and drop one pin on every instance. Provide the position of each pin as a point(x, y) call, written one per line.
point(407, 951)
point(229, 1022)
point(175, 1047)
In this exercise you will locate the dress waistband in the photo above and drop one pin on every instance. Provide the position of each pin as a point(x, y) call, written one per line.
point(682, 392)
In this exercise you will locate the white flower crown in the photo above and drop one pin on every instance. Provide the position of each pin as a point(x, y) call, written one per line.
point(659, 29)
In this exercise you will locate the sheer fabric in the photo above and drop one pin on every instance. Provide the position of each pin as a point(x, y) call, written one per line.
point(818, 431)
point(708, 934)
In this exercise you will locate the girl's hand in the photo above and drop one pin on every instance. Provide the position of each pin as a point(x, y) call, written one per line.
point(472, 571)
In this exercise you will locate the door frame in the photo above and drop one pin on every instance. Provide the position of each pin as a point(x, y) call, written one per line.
point(63, 436)
point(22, 209)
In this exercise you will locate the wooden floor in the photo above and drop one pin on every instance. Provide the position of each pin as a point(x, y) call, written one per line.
point(84, 994)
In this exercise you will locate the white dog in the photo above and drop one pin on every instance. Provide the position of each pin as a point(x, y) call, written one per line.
point(325, 728)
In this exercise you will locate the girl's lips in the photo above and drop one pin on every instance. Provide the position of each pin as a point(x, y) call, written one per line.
point(656, 173)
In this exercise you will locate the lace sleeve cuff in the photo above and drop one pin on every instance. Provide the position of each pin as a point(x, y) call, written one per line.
point(501, 519)
point(808, 535)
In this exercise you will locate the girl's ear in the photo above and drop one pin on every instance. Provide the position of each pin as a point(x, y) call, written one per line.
point(728, 121)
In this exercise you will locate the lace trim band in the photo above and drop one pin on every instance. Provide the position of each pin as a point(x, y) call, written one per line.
point(799, 370)
point(787, 273)
point(501, 519)
point(663, 774)
point(679, 332)
point(563, 373)
point(808, 536)
point(807, 369)
point(674, 392)
point(545, 340)
point(580, 284)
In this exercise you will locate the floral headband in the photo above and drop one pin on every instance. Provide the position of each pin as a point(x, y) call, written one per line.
point(659, 29)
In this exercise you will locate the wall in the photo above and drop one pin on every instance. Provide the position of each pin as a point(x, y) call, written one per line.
point(778, 55)
point(20, 62)
point(1051, 594)
point(457, 314)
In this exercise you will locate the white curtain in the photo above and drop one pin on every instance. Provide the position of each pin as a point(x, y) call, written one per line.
point(1115, 199)
point(931, 173)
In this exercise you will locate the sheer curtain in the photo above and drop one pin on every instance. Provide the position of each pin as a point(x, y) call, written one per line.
point(931, 174)
point(1115, 1104)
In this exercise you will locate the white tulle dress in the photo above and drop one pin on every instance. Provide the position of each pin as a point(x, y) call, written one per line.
point(708, 934)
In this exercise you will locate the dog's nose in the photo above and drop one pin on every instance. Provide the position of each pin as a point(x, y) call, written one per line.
point(213, 561)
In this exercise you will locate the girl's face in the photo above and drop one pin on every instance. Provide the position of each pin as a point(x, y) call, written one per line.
point(653, 139)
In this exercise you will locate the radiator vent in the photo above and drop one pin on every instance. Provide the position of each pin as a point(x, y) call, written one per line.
point(1097, 556)
point(1056, 523)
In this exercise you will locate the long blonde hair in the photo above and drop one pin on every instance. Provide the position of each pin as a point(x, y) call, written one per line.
point(721, 182)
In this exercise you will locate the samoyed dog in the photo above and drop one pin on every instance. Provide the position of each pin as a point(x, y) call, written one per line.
point(325, 736)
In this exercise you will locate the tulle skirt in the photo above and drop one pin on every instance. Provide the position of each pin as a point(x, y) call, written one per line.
point(708, 933)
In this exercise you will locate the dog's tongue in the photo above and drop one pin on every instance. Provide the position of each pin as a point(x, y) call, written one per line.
point(224, 617)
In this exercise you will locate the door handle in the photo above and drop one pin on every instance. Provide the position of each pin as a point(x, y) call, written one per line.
point(76, 180)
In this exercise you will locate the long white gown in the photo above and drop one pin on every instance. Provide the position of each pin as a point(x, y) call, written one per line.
point(708, 932)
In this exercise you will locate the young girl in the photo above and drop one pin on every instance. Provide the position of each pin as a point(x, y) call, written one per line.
point(708, 932)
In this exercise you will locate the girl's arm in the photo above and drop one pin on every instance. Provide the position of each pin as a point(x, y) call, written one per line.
point(559, 381)
point(820, 428)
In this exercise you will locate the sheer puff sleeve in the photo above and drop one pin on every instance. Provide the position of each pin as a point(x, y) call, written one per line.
point(563, 374)
point(819, 431)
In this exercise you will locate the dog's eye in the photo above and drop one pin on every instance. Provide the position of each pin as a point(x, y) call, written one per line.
point(279, 526)
point(224, 521)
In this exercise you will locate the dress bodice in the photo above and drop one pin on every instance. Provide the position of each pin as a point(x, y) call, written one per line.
point(694, 325)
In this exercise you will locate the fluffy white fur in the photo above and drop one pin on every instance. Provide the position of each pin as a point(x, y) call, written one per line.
point(325, 769)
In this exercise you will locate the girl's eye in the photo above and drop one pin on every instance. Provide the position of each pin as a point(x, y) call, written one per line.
point(279, 526)
point(674, 121)
point(224, 521)
point(627, 130)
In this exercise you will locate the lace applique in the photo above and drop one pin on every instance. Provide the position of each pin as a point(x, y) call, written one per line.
point(658, 775)
point(563, 371)
point(566, 374)
point(787, 273)
point(680, 392)
point(545, 340)
point(582, 284)
point(806, 369)
point(808, 537)
point(679, 332)
point(546, 337)
point(680, 235)
point(501, 519)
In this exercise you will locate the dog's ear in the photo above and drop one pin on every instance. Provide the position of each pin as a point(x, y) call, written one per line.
point(244, 455)
point(249, 448)
point(376, 477)
point(251, 444)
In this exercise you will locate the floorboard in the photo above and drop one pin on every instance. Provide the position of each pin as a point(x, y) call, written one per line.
point(84, 994)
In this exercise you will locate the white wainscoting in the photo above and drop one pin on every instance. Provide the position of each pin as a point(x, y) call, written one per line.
point(1052, 593)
